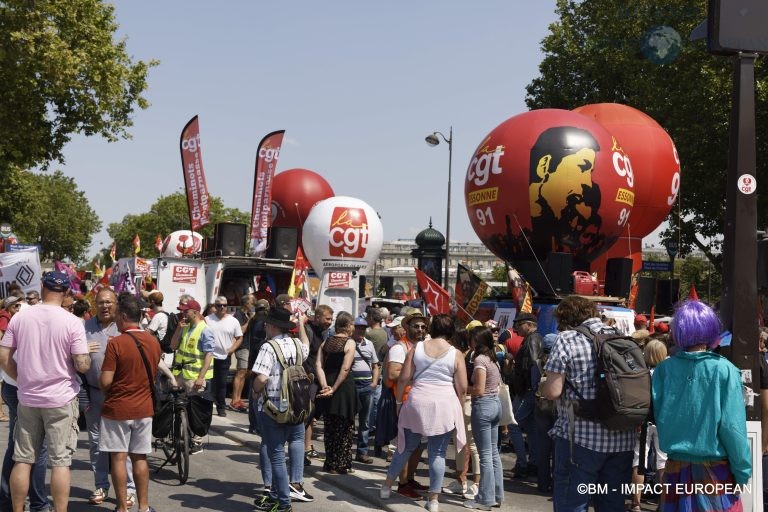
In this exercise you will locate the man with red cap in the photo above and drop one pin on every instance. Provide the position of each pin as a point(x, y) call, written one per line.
point(193, 342)
point(641, 322)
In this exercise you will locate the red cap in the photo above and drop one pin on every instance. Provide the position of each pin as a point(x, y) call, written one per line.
point(641, 319)
point(662, 327)
point(191, 304)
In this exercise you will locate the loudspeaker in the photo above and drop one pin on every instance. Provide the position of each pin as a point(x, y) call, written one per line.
point(560, 271)
point(737, 25)
point(646, 295)
point(283, 243)
point(618, 277)
point(388, 284)
point(229, 238)
point(667, 295)
point(762, 265)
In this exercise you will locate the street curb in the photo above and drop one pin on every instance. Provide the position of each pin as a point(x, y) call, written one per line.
point(346, 483)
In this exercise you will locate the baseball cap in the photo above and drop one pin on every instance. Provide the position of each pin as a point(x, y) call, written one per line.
point(360, 321)
point(56, 281)
point(283, 299)
point(10, 301)
point(641, 319)
point(474, 323)
point(395, 321)
point(191, 304)
point(262, 304)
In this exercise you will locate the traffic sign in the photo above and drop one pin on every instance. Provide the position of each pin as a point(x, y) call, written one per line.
point(672, 248)
point(657, 266)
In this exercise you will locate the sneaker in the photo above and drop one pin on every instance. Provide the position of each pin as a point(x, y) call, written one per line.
point(385, 492)
point(432, 506)
point(363, 458)
point(196, 448)
point(307, 462)
point(222, 412)
point(98, 496)
point(265, 503)
point(475, 505)
point(408, 491)
point(472, 491)
point(149, 509)
point(298, 493)
point(455, 487)
point(520, 472)
point(130, 499)
point(416, 485)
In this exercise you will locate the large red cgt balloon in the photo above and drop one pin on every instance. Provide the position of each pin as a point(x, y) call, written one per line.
point(553, 179)
point(656, 166)
point(294, 193)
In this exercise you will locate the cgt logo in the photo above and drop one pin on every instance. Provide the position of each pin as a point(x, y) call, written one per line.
point(349, 233)
point(191, 144)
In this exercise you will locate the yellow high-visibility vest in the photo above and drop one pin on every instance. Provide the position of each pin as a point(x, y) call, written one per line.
point(188, 360)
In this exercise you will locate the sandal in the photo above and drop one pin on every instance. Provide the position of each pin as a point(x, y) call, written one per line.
point(634, 508)
point(4, 418)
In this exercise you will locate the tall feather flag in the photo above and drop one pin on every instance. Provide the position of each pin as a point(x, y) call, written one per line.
point(299, 276)
point(527, 306)
point(98, 271)
point(113, 251)
point(633, 290)
point(437, 298)
point(651, 326)
point(136, 244)
point(159, 243)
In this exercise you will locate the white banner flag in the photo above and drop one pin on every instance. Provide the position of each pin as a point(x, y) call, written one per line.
point(22, 267)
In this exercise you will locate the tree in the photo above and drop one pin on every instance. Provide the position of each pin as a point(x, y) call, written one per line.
point(61, 73)
point(48, 209)
point(167, 214)
point(593, 54)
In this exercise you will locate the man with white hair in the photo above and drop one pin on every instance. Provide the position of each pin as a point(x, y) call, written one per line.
point(227, 335)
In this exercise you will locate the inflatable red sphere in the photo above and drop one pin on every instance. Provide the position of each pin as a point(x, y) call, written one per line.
point(655, 163)
point(294, 193)
point(549, 181)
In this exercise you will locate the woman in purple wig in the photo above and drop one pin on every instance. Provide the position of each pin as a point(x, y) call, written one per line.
point(701, 420)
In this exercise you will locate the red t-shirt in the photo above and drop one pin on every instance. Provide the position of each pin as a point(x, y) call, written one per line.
point(5, 317)
point(511, 340)
point(129, 397)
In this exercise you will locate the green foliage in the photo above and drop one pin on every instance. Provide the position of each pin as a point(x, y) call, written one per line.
point(499, 273)
point(48, 209)
point(167, 214)
point(593, 55)
point(61, 73)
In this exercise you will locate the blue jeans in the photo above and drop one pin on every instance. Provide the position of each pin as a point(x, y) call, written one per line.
point(38, 496)
point(589, 467)
point(264, 464)
point(100, 460)
point(486, 412)
point(275, 435)
point(436, 447)
point(374, 404)
point(523, 407)
point(363, 428)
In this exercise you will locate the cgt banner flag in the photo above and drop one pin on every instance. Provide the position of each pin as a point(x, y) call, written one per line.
point(261, 209)
point(470, 290)
point(299, 276)
point(194, 177)
point(437, 298)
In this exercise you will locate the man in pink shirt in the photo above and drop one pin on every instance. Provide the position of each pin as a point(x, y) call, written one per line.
point(49, 347)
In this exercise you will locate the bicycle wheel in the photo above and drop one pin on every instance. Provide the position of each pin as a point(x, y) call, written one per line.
point(182, 446)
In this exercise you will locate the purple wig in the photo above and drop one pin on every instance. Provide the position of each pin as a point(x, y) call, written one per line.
point(695, 323)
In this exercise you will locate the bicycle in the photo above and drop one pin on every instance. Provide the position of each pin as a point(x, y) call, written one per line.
point(176, 444)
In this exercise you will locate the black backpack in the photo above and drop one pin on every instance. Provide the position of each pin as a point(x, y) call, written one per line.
point(622, 379)
point(173, 322)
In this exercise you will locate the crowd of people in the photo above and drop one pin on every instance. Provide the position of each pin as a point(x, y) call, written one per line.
point(385, 383)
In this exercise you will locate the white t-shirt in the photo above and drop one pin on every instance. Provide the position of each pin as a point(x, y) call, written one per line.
point(397, 353)
point(224, 330)
point(159, 324)
point(267, 364)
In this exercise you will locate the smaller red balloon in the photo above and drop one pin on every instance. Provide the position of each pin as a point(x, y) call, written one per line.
point(294, 193)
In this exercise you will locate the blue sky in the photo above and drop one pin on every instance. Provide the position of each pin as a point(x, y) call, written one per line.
point(356, 85)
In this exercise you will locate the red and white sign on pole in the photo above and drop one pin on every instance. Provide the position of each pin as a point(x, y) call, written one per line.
point(747, 184)
point(194, 177)
point(339, 280)
point(261, 210)
point(184, 274)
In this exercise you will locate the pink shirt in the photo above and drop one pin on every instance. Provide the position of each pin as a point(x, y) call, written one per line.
point(45, 338)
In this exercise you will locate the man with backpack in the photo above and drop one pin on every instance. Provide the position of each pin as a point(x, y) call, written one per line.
point(587, 451)
point(284, 405)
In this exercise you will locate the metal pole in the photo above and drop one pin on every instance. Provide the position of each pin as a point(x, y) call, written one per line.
point(448, 208)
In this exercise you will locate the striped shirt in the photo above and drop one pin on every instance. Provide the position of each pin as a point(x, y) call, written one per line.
point(573, 356)
point(483, 363)
point(365, 359)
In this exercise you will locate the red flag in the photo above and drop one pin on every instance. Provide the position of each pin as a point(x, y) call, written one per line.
point(136, 244)
point(113, 251)
point(261, 209)
point(633, 291)
point(692, 295)
point(194, 177)
point(299, 277)
point(527, 306)
point(651, 327)
point(437, 298)
point(159, 243)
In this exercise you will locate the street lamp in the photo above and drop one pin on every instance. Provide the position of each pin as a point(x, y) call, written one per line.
point(433, 141)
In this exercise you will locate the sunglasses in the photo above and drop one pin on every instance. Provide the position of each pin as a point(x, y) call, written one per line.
point(420, 327)
point(219, 306)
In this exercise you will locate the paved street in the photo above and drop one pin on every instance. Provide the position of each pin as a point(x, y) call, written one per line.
point(224, 478)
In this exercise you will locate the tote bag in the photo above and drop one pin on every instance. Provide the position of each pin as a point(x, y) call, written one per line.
point(507, 416)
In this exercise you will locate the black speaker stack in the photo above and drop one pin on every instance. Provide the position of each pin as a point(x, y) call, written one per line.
point(283, 243)
point(229, 238)
point(618, 277)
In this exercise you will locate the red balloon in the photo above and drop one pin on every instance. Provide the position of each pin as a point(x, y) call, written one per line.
point(655, 163)
point(294, 193)
point(550, 178)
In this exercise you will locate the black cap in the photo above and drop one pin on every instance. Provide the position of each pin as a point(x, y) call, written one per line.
point(525, 317)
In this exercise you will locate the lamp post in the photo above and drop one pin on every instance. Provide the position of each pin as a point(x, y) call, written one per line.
point(433, 141)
